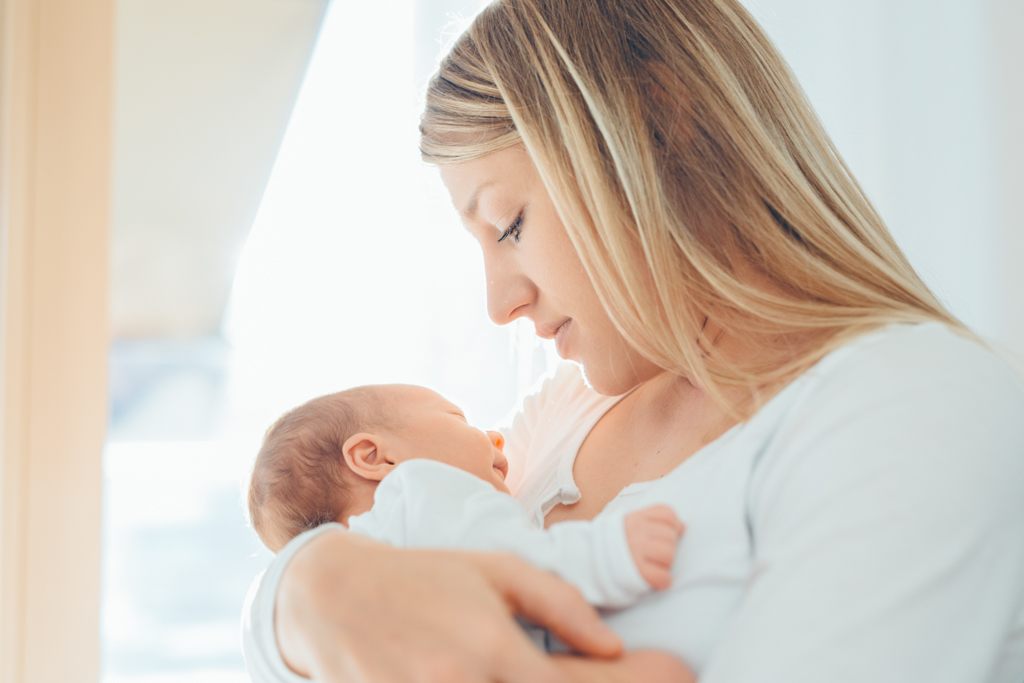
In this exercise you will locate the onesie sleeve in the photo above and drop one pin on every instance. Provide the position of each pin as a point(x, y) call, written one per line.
point(433, 505)
point(595, 557)
point(888, 525)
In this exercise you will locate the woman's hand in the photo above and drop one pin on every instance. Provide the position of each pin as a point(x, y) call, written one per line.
point(349, 610)
point(637, 666)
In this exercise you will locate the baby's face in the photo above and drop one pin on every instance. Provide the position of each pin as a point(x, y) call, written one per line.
point(433, 428)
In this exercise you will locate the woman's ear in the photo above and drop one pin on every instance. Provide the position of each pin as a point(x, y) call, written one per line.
point(365, 456)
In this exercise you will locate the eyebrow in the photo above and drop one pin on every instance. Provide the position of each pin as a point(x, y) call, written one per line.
point(471, 208)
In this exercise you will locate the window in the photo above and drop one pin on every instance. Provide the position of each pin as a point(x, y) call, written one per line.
point(356, 270)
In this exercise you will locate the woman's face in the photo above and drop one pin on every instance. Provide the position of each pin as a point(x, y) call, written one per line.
point(533, 270)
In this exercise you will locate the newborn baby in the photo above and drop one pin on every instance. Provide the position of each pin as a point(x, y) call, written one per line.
point(400, 464)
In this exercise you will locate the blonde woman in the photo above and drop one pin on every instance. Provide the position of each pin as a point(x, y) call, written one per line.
point(650, 187)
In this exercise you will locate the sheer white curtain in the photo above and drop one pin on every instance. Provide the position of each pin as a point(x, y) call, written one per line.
point(357, 269)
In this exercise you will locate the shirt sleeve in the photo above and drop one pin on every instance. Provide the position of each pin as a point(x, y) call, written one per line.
point(263, 660)
point(519, 426)
point(427, 504)
point(888, 524)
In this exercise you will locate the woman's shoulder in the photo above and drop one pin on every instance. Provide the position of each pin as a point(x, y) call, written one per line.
point(926, 360)
point(915, 408)
point(885, 489)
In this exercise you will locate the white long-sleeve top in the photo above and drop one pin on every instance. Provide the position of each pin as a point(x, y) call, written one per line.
point(867, 524)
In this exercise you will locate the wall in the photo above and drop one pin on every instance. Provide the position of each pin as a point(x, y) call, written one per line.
point(204, 91)
point(924, 101)
point(1006, 17)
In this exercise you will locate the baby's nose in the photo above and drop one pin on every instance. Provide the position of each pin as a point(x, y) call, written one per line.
point(500, 462)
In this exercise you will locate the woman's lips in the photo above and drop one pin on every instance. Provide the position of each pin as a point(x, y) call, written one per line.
point(557, 332)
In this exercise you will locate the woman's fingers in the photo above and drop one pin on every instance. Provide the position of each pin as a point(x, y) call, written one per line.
point(487, 653)
point(653, 666)
point(549, 602)
point(522, 662)
point(637, 666)
point(349, 610)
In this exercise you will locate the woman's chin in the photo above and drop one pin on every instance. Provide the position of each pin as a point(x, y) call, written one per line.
point(616, 379)
point(604, 384)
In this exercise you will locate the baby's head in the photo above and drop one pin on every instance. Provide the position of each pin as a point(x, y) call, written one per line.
point(322, 461)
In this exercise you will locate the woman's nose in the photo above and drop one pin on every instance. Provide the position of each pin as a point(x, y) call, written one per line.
point(508, 293)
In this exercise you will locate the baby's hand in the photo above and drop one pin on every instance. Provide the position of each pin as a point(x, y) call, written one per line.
point(653, 534)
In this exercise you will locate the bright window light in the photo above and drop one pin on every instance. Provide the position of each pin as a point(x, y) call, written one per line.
point(356, 271)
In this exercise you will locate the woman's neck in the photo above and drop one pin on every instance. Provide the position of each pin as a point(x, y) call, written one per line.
point(669, 404)
point(762, 356)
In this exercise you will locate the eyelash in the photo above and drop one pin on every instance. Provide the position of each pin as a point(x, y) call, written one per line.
point(513, 230)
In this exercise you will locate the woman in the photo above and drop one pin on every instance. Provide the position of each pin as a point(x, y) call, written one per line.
point(650, 188)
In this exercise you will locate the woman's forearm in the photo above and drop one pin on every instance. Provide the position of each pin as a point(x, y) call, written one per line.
point(350, 609)
point(319, 572)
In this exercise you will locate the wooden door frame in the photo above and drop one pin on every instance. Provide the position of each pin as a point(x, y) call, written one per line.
point(56, 107)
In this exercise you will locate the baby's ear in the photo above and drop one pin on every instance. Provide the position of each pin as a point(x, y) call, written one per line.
point(364, 455)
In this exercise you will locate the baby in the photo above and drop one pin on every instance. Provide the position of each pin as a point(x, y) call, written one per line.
point(402, 465)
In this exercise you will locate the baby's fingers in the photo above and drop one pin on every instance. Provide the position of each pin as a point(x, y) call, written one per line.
point(661, 551)
point(657, 535)
point(656, 574)
point(663, 515)
point(663, 532)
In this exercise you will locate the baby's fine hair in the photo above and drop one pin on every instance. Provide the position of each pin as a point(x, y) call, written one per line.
point(300, 480)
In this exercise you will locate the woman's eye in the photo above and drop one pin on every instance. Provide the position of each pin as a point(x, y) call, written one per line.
point(512, 230)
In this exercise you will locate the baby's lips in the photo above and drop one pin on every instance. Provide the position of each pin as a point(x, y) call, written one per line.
point(501, 464)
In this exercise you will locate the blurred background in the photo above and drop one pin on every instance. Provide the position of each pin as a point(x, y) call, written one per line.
point(276, 237)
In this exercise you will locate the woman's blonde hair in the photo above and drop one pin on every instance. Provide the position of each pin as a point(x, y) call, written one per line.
point(691, 174)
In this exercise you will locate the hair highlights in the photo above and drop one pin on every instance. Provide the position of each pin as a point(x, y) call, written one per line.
point(692, 176)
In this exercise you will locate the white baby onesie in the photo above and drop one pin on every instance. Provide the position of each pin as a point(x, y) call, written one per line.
point(427, 504)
